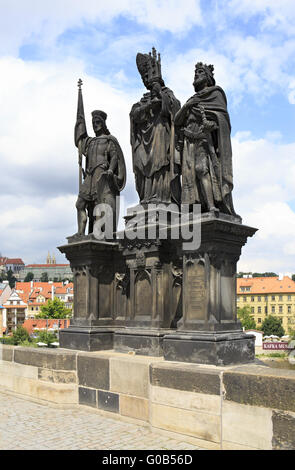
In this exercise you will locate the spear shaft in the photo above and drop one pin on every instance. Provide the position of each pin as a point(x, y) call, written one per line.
point(79, 130)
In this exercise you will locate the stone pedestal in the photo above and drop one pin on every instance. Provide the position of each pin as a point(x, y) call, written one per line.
point(142, 341)
point(155, 277)
point(97, 268)
point(161, 295)
point(209, 331)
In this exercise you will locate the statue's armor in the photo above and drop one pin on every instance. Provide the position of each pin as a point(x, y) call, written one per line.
point(101, 155)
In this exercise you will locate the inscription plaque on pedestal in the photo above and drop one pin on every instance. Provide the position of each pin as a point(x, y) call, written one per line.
point(196, 295)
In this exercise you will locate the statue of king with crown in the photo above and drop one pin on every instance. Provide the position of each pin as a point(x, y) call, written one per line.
point(156, 163)
point(203, 128)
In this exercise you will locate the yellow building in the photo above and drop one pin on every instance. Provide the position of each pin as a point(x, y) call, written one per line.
point(268, 296)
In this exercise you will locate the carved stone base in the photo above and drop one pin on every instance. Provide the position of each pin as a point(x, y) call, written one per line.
point(219, 349)
point(142, 341)
point(86, 339)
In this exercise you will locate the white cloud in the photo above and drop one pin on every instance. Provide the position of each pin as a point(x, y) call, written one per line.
point(246, 66)
point(38, 157)
point(263, 176)
point(42, 21)
point(180, 71)
point(274, 15)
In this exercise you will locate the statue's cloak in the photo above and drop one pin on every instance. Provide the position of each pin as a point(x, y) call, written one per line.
point(214, 101)
point(150, 136)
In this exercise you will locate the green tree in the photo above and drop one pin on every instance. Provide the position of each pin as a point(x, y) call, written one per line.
point(54, 309)
point(272, 326)
point(10, 278)
point(20, 335)
point(46, 337)
point(44, 277)
point(244, 314)
point(29, 277)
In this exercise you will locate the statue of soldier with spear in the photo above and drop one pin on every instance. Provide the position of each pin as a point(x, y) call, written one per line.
point(104, 176)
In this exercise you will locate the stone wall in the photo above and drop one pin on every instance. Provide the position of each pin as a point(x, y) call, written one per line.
point(234, 407)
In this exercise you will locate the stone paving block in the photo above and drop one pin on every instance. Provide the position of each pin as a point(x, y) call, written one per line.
point(192, 423)
point(93, 371)
point(134, 407)
point(247, 425)
point(24, 422)
point(283, 430)
point(129, 377)
point(87, 396)
point(108, 401)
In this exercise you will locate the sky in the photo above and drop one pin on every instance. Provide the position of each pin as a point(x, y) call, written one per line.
point(45, 47)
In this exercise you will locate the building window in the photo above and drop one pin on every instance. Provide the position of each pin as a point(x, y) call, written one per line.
point(259, 298)
point(245, 299)
point(259, 309)
point(273, 309)
point(280, 297)
point(266, 298)
point(252, 310)
point(252, 299)
point(273, 297)
point(289, 297)
point(289, 308)
point(265, 310)
point(259, 320)
point(280, 309)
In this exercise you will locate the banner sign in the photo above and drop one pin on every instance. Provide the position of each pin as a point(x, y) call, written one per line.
point(275, 346)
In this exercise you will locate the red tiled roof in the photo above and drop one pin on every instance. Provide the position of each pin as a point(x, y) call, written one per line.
point(11, 261)
point(27, 287)
point(266, 285)
point(36, 304)
point(64, 289)
point(32, 324)
point(45, 265)
point(15, 306)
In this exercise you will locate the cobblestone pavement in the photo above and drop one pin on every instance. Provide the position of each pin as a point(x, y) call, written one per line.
point(25, 425)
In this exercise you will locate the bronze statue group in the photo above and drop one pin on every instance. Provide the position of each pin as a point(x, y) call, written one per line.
point(180, 155)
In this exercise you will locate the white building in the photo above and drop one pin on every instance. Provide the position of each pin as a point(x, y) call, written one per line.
point(258, 336)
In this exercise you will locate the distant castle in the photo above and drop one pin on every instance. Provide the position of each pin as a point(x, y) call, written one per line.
point(50, 260)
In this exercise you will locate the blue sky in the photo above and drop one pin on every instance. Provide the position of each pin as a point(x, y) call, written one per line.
point(46, 46)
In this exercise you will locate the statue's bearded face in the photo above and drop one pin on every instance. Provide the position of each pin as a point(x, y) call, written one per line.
point(200, 80)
